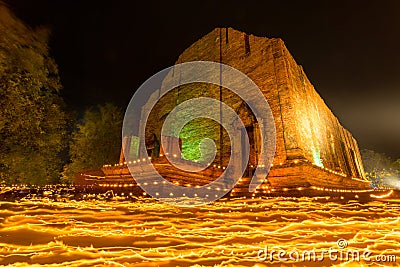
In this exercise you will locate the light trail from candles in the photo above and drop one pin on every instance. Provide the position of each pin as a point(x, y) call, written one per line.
point(145, 232)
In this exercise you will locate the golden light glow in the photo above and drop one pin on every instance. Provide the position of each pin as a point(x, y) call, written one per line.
point(149, 233)
point(382, 196)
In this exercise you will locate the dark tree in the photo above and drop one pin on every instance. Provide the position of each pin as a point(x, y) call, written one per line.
point(380, 169)
point(97, 140)
point(32, 121)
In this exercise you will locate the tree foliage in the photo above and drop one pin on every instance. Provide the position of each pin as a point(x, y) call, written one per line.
point(380, 169)
point(96, 141)
point(32, 121)
point(374, 161)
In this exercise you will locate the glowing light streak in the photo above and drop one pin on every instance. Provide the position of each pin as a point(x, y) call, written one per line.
point(143, 232)
point(382, 196)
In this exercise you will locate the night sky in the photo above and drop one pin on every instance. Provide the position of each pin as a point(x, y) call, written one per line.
point(350, 50)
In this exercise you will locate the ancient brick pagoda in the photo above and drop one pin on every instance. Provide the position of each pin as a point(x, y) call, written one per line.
point(313, 150)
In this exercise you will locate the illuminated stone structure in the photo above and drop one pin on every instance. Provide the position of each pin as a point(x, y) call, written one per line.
point(312, 147)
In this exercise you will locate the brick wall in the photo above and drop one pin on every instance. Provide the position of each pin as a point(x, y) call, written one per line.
point(306, 129)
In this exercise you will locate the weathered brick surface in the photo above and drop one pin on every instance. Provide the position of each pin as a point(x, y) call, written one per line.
point(306, 129)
